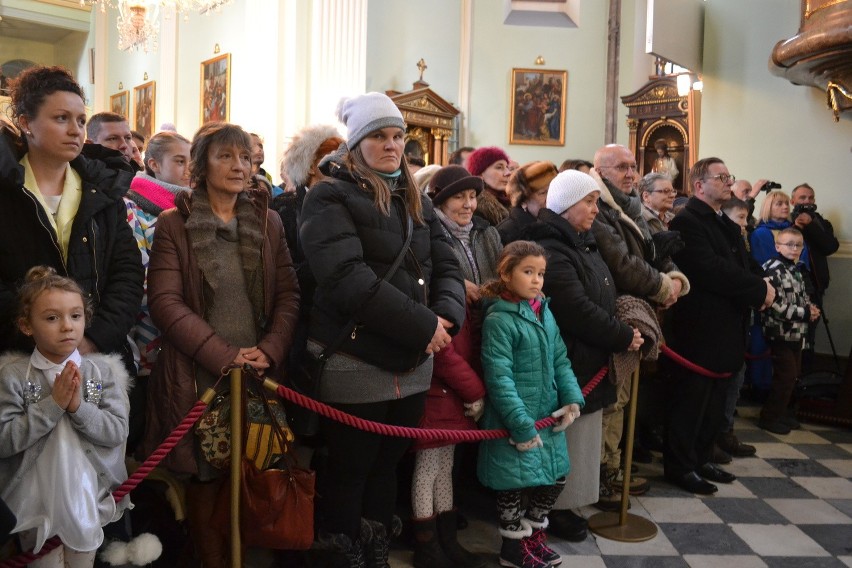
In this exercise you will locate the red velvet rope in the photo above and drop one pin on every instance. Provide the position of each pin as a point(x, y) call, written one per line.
point(417, 433)
point(23, 559)
point(680, 360)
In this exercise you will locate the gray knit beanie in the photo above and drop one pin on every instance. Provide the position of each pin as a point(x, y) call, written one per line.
point(367, 113)
point(568, 188)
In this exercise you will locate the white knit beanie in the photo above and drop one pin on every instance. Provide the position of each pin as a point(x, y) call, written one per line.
point(367, 113)
point(568, 188)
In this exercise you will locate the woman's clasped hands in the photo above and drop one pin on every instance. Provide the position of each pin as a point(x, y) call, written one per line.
point(253, 357)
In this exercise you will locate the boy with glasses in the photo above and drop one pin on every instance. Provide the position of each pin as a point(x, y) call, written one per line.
point(785, 325)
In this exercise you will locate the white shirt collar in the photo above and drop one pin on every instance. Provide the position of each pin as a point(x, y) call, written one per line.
point(42, 363)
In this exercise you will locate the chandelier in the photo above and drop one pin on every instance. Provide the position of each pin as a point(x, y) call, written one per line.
point(138, 22)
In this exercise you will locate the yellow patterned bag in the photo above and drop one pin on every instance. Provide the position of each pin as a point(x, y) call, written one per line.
point(262, 446)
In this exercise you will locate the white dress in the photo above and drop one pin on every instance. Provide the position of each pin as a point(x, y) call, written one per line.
point(61, 496)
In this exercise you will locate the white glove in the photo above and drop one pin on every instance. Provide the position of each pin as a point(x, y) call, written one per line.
point(475, 409)
point(528, 445)
point(565, 416)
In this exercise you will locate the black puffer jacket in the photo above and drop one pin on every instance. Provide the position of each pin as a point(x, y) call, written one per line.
point(582, 299)
point(102, 253)
point(513, 228)
point(349, 246)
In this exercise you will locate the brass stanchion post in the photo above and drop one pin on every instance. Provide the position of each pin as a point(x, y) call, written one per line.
point(623, 526)
point(236, 463)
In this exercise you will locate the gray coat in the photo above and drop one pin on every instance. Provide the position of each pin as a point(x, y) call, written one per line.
point(486, 248)
point(102, 428)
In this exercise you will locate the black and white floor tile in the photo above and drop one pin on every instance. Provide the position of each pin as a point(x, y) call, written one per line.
point(791, 506)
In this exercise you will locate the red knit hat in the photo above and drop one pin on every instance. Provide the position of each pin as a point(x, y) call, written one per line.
point(481, 158)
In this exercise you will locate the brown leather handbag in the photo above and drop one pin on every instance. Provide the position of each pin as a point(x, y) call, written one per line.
point(276, 504)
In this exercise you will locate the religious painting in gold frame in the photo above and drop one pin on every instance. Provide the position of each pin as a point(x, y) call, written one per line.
point(119, 103)
point(144, 105)
point(537, 114)
point(216, 89)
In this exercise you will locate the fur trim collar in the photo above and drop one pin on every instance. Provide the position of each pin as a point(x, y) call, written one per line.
point(111, 362)
point(300, 155)
point(201, 229)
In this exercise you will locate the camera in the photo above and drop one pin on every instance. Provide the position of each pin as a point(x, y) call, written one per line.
point(770, 185)
point(808, 208)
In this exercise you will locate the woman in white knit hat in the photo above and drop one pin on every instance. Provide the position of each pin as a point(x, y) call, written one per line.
point(386, 322)
point(582, 295)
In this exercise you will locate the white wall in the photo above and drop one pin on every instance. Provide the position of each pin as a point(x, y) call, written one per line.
point(399, 34)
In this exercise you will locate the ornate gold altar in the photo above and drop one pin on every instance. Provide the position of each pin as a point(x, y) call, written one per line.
point(657, 114)
point(429, 118)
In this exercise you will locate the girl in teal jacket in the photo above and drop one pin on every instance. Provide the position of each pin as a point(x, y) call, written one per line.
point(527, 377)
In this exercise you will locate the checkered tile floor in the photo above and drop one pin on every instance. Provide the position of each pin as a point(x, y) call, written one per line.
point(791, 506)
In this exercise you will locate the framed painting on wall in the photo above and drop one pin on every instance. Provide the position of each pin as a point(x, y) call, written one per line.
point(216, 89)
point(144, 103)
point(119, 104)
point(538, 107)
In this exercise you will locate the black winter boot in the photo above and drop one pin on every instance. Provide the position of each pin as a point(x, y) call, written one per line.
point(350, 553)
point(376, 549)
point(427, 548)
point(448, 537)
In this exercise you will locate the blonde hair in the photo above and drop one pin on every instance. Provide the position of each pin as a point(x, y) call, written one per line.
point(511, 257)
point(158, 145)
point(40, 279)
point(769, 201)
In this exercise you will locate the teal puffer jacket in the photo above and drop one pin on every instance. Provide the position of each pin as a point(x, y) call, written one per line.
point(527, 377)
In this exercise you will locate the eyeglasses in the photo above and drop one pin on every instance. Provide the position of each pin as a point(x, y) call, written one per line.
point(794, 246)
point(623, 167)
point(664, 191)
point(724, 178)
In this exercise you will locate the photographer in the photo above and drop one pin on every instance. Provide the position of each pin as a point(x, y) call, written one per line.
point(821, 243)
point(819, 236)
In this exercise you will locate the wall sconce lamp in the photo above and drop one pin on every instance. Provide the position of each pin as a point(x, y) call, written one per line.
point(686, 83)
point(539, 60)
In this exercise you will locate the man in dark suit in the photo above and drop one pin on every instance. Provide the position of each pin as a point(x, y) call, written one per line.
point(709, 325)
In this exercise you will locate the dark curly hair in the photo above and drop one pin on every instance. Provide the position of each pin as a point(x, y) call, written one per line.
point(222, 133)
point(30, 88)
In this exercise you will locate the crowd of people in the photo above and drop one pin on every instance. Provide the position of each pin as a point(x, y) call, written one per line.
point(482, 294)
